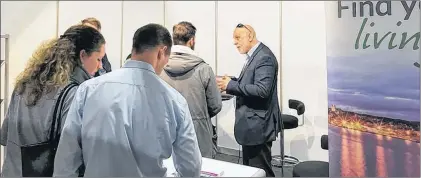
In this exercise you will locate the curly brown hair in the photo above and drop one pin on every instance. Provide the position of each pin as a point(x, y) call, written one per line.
point(54, 61)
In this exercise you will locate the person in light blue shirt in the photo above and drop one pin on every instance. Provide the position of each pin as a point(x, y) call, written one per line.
point(126, 122)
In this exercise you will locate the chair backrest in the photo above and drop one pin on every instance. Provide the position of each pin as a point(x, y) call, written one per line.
point(297, 105)
point(325, 142)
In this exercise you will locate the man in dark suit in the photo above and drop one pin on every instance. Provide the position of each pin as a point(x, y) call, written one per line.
point(106, 65)
point(257, 113)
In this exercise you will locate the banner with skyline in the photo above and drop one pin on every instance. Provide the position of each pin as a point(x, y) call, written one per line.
point(373, 56)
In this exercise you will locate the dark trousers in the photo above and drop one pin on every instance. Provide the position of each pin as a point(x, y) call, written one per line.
point(259, 156)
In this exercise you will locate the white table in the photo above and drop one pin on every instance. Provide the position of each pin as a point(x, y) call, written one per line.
point(229, 169)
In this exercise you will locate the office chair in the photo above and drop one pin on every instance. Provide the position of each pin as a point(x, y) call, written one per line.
point(289, 122)
point(313, 168)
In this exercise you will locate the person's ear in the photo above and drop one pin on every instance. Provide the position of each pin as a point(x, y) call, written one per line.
point(193, 40)
point(83, 54)
point(165, 51)
point(159, 54)
point(162, 52)
point(190, 43)
point(251, 36)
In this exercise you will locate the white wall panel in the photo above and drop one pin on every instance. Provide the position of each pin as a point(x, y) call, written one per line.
point(305, 76)
point(264, 17)
point(28, 23)
point(137, 14)
point(202, 15)
point(107, 12)
point(2, 90)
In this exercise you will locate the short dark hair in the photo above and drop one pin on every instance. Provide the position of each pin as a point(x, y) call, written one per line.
point(183, 32)
point(93, 21)
point(150, 36)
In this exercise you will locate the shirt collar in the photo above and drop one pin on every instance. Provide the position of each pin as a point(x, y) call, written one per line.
point(138, 64)
point(183, 49)
point(250, 53)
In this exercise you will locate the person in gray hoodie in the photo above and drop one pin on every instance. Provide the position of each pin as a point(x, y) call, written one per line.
point(194, 79)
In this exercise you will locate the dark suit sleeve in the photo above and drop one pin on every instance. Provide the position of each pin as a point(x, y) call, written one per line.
point(264, 75)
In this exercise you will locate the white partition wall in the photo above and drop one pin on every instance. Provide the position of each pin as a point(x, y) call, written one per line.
point(109, 13)
point(264, 16)
point(305, 76)
point(202, 15)
point(135, 15)
point(2, 90)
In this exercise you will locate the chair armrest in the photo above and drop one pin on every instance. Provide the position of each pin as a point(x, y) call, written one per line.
point(325, 142)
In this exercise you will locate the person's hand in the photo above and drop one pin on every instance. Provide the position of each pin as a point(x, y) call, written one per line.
point(222, 82)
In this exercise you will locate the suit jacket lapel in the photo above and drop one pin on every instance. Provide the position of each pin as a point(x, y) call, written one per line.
point(250, 60)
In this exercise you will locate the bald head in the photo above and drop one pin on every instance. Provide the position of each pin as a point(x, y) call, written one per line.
point(244, 38)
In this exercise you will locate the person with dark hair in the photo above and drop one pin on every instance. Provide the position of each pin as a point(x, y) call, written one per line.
point(106, 65)
point(72, 58)
point(129, 130)
point(194, 79)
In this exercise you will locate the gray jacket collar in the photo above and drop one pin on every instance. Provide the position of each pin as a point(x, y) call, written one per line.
point(79, 75)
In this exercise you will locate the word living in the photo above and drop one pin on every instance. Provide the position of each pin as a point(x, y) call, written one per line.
point(377, 41)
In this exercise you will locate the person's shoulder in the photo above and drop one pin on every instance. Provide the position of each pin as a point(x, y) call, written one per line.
point(72, 87)
point(168, 90)
point(91, 82)
point(266, 50)
point(205, 68)
point(172, 93)
point(265, 54)
point(204, 65)
point(107, 77)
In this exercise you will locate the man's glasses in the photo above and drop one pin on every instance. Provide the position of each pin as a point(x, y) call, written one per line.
point(240, 25)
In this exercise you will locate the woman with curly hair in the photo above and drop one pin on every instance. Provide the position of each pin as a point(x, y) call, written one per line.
point(72, 58)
